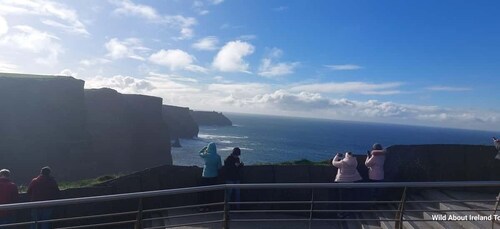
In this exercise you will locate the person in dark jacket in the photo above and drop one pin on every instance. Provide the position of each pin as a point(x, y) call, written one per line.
point(232, 167)
point(8, 194)
point(43, 187)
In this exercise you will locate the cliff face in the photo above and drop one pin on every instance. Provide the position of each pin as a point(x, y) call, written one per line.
point(180, 122)
point(127, 131)
point(42, 122)
point(210, 118)
point(48, 120)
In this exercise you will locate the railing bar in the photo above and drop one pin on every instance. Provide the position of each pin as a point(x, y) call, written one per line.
point(187, 206)
point(16, 224)
point(87, 217)
point(188, 224)
point(355, 210)
point(451, 210)
point(98, 225)
point(265, 220)
point(356, 201)
point(271, 202)
point(185, 215)
point(267, 211)
point(390, 220)
point(448, 201)
point(246, 186)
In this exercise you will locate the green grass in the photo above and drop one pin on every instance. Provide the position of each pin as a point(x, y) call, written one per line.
point(79, 184)
point(299, 162)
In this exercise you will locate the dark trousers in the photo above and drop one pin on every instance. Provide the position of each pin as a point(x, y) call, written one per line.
point(42, 214)
point(207, 197)
point(376, 193)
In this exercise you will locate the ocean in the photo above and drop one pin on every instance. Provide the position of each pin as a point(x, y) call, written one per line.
point(272, 139)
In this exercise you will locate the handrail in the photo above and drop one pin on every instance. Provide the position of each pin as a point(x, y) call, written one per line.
point(146, 194)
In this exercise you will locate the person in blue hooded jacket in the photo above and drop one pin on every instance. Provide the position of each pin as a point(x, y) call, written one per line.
point(211, 168)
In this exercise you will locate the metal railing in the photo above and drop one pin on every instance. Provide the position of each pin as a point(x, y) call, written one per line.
point(300, 204)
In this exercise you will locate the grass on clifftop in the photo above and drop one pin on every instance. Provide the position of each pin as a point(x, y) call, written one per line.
point(78, 184)
point(299, 162)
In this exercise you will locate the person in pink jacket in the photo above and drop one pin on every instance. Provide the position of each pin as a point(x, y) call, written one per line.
point(347, 172)
point(375, 163)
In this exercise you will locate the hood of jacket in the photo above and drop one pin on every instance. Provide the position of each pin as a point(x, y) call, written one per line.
point(211, 148)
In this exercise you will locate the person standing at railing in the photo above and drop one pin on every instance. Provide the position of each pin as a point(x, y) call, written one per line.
point(347, 172)
point(212, 164)
point(232, 171)
point(43, 187)
point(496, 142)
point(375, 163)
point(8, 194)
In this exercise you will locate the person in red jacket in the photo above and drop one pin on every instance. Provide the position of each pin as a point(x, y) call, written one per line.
point(8, 194)
point(43, 187)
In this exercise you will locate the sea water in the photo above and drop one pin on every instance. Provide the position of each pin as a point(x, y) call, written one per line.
point(272, 139)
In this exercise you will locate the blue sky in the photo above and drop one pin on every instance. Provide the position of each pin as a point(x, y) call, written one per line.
point(433, 63)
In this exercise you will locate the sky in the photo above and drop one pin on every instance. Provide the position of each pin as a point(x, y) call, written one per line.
point(432, 63)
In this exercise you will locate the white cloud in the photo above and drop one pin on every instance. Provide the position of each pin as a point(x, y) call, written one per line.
point(68, 72)
point(315, 105)
point(344, 67)
point(4, 26)
point(239, 89)
point(230, 57)
point(446, 88)
point(128, 48)
point(184, 24)
point(247, 37)
point(95, 61)
point(126, 7)
point(29, 39)
point(173, 77)
point(270, 69)
point(208, 43)
point(186, 33)
point(68, 18)
point(351, 87)
point(176, 59)
point(7, 67)
point(124, 84)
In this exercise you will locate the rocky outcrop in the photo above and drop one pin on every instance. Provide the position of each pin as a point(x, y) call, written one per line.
point(180, 122)
point(210, 118)
point(127, 131)
point(42, 122)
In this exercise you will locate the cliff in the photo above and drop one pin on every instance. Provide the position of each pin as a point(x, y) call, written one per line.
point(210, 118)
point(51, 120)
point(42, 122)
point(127, 131)
point(180, 122)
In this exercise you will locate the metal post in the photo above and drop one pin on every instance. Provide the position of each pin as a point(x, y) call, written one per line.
point(399, 214)
point(138, 223)
point(495, 211)
point(311, 208)
point(226, 210)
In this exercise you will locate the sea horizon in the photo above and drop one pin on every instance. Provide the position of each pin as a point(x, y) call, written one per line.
point(274, 139)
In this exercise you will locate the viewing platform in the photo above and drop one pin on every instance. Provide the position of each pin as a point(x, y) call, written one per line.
point(466, 204)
